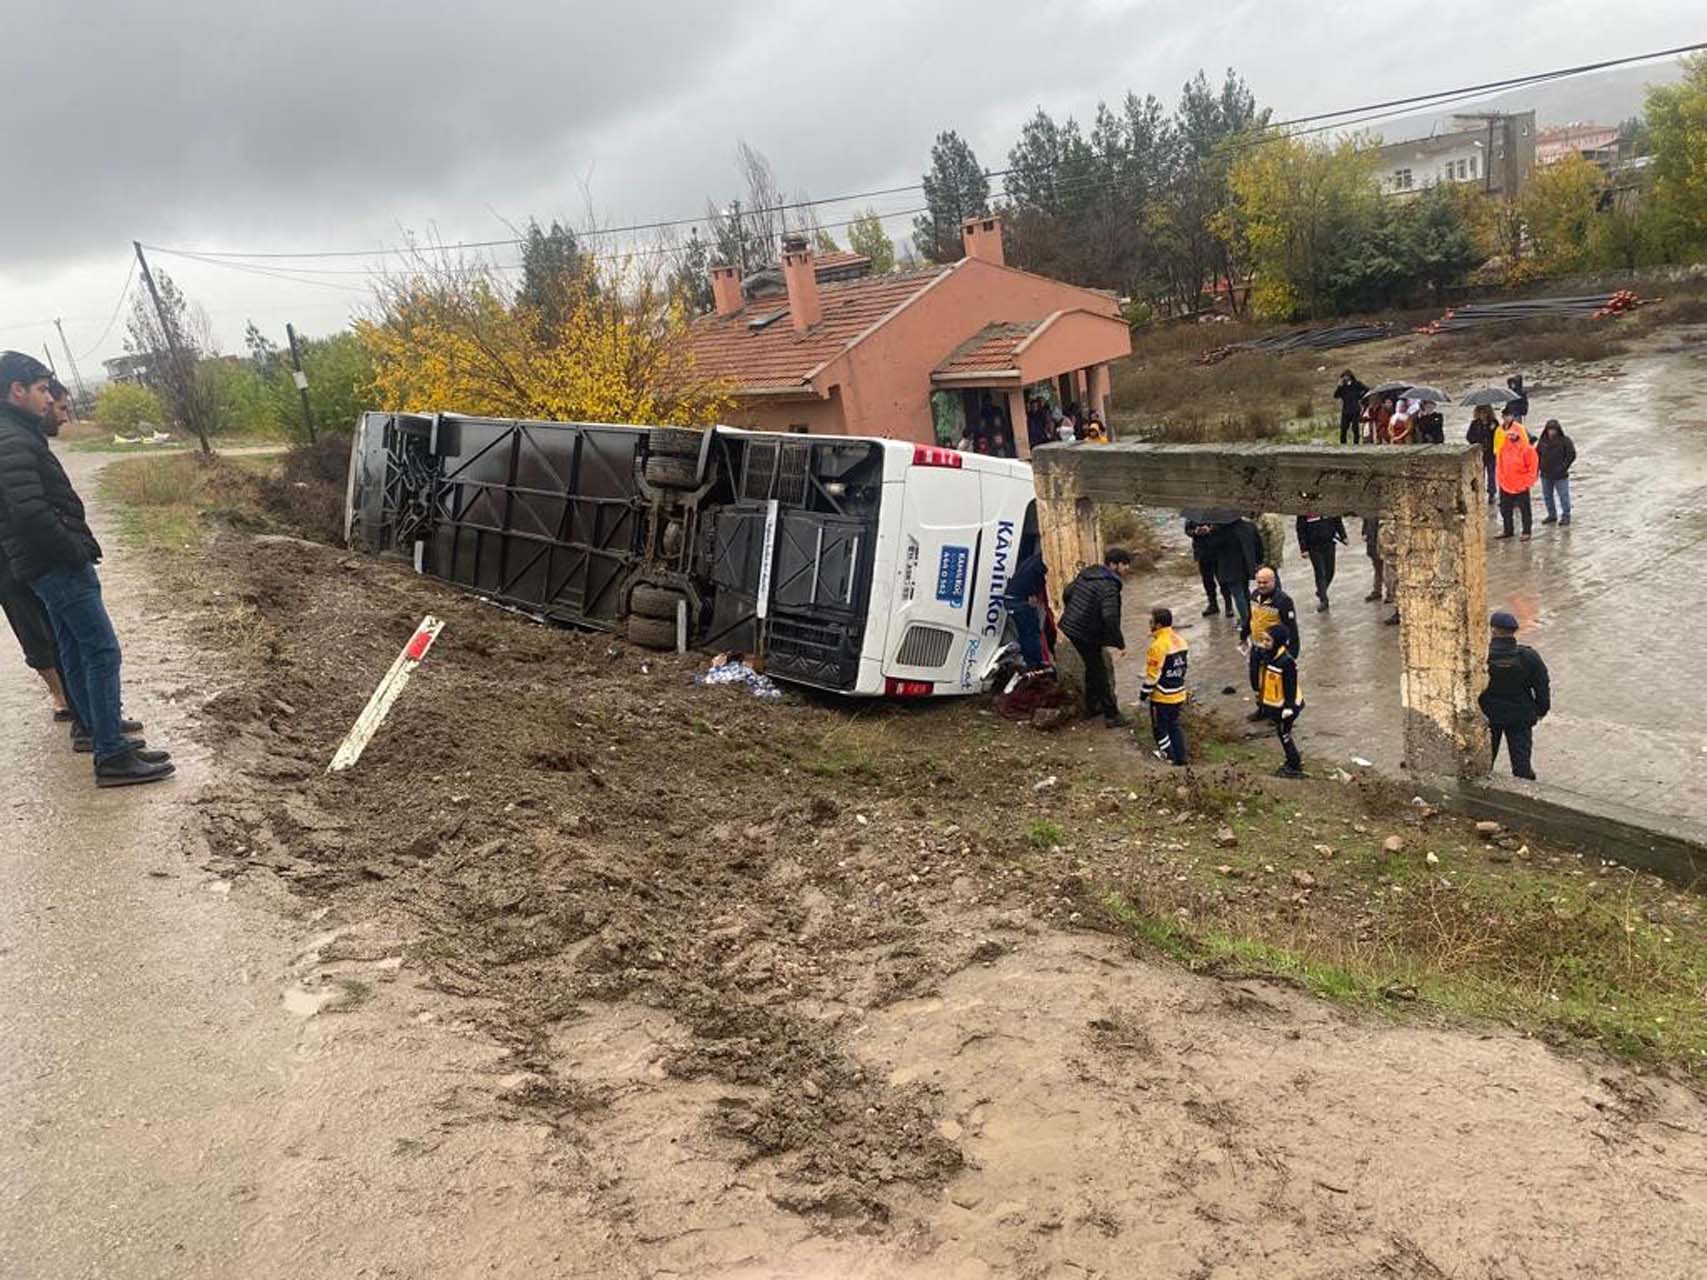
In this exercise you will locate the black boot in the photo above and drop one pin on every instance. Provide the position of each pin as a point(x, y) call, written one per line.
point(83, 742)
point(128, 769)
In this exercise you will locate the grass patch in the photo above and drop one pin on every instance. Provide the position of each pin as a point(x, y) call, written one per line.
point(164, 502)
point(1557, 945)
point(1045, 834)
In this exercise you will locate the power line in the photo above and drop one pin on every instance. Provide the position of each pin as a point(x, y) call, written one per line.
point(1338, 119)
point(302, 275)
point(129, 277)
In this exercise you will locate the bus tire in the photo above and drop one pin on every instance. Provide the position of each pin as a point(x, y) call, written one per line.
point(652, 633)
point(655, 602)
point(674, 442)
point(663, 471)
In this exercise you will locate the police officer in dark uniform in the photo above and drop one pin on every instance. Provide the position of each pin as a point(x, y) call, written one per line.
point(1518, 693)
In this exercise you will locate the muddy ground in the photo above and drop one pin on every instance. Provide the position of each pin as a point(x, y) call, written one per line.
point(797, 988)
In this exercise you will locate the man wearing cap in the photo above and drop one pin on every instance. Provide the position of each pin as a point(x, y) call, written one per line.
point(1518, 693)
point(46, 543)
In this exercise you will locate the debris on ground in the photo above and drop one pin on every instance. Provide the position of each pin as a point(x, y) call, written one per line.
point(735, 669)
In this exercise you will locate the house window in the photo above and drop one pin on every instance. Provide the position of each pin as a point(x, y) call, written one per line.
point(1402, 180)
point(799, 429)
point(1473, 166)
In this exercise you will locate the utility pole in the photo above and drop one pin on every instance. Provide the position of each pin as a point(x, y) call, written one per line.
point(183, 375)
point(51, 367)
point(301, 380)
point(71, 363)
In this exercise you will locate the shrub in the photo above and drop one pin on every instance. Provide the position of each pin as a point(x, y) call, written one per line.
point(127, 406)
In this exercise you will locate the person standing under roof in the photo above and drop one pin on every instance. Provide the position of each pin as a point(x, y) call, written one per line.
point(1164, 685)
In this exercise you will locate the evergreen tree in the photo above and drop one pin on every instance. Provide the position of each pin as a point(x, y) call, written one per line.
point(955, 189)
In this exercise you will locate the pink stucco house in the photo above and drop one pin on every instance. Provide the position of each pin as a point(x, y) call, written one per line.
point(829, 354)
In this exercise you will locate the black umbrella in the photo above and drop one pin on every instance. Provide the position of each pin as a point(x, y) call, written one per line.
point(1490, 395)
point(1428, 393)
point(1386, 389)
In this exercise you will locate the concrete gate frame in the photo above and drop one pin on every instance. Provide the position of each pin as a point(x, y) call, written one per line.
point(1431, 494)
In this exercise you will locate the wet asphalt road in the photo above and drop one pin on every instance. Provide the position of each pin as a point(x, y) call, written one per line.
point(1610, 603)
point(137, 1042)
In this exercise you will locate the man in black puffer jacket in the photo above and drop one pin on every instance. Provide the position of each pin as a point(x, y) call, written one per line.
point(46, 542)
point(1519, 693)
point(1090, 618)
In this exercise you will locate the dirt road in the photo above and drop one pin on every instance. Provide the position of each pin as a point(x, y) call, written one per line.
point(173, 1099)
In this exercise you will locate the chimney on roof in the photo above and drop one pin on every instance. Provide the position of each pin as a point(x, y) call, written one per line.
point(726, 289)
point(982, 237)
point(802, 280)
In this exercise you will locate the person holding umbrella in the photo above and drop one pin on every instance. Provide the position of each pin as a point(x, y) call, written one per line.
point(1482, 430)
point(1380, 412)
point(1427, 426)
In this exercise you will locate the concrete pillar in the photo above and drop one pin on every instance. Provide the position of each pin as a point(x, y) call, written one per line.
point(1017, 423)
point(1067, 527)
point(1441, 555)
point(1099, 393)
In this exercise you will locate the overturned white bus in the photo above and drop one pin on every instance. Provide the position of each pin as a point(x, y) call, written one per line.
point(861, 565)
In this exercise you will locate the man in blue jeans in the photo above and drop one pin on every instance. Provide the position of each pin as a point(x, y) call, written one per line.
point(1021, 596)
point(46, 542)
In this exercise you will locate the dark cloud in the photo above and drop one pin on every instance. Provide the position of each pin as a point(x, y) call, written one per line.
point(211, 116)
point(337, 123)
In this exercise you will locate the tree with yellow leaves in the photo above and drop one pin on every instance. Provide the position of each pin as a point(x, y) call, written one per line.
point(445, 336)
point(1559, 208)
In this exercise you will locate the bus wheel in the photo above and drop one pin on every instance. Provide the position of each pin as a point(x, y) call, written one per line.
point(655, 602)
point(674, 442)
point(663, 471)
point(652, 633)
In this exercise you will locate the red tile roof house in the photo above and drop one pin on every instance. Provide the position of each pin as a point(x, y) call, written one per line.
point(837, 356)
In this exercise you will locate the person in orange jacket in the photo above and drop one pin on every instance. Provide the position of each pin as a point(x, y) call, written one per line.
point(1516, 468)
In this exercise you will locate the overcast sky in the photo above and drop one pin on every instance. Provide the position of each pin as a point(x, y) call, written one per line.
point(340, 124)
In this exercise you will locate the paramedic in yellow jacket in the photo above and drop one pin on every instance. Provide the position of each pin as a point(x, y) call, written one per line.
point(1164, 686)
point(1270, 607)
point(1280, 699)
